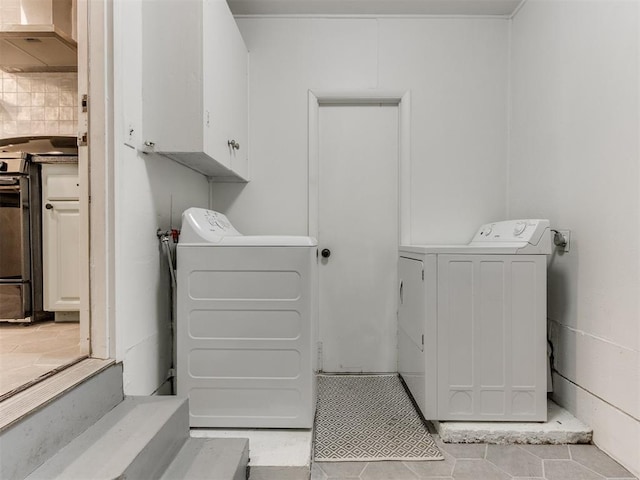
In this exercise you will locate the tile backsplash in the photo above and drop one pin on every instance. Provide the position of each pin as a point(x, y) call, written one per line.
point(38, 104)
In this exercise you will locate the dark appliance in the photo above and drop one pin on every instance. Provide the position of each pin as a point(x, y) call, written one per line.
point(21, 222)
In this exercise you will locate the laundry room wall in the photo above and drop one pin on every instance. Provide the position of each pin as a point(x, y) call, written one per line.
point(150, 193)
point(575, 159)
point(455, 69)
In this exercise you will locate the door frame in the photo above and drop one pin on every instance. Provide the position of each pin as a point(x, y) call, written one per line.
point(368, 97)
point(96, 164)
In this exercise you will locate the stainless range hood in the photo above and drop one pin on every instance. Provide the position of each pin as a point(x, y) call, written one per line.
point(38, 36)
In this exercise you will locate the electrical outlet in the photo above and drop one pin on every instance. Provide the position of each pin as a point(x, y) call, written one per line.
point(566, 234)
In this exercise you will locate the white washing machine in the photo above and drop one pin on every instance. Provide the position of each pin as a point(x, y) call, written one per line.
point(472, 324)
point(246, 324)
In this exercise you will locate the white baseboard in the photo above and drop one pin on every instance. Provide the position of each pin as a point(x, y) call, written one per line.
point(614, 432)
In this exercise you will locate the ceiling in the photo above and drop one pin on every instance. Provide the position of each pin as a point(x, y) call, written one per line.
point(373, 7)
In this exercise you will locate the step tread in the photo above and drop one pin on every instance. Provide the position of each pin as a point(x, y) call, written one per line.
point(107, 448)
point(211, 459)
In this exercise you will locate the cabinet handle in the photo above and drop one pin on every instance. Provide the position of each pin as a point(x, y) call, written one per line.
point(48, 206)
point(233, 144)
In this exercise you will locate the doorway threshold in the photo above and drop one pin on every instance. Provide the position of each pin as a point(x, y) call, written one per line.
point(43, 392)
point(41, 378)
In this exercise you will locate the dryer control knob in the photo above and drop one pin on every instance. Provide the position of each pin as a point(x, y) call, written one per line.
point(519, 228)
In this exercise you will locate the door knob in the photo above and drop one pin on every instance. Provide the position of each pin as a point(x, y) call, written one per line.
point(326, 253)
point(48, 206)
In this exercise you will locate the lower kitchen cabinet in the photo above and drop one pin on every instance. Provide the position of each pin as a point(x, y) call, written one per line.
point(61, 238)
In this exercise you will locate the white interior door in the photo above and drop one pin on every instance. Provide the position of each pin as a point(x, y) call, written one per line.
point(358, 224)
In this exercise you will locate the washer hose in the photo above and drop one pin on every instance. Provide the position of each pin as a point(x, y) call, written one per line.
point(164, 238)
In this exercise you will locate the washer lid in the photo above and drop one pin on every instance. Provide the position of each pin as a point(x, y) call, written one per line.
point(204, 227)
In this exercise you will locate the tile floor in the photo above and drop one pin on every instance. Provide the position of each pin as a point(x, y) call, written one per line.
point(487, 462)
point(29, 351)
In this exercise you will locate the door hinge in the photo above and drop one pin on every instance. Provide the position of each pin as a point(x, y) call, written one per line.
point(83, 139)
point(423, 339)
point(423, 274)
point(84, 102)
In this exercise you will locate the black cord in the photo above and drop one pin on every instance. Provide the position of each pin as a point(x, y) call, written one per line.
point(558, 239)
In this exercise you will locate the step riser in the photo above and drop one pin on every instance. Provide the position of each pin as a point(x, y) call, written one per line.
point(136, 440)
point(210, 458)
point(31, 442)
point(159, 452)
point(242, 472)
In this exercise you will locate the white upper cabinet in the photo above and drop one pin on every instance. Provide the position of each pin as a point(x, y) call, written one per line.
point(194, 90)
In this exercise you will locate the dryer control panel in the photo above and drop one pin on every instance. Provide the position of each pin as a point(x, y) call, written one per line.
point(531, 231)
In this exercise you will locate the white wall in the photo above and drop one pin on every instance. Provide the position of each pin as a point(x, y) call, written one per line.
point(575, 159)
point(455, 69)
point(151, 193)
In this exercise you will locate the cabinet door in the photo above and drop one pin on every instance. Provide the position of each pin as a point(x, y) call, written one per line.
point(171, 76)
point(240, 118)
point(225, 87)
point(492, 337)
point(61, 234)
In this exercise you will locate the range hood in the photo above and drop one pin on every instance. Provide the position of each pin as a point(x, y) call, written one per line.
point(38, 36)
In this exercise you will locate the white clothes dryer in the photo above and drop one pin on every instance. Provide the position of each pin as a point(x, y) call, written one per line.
point(472, 324)
point(246, 324)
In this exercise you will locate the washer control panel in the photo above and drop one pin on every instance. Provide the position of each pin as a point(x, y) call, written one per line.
point(218, 222)
point(525, 230)
point(201, 225)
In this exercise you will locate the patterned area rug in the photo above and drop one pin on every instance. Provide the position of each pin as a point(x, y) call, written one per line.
point(368, 418)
